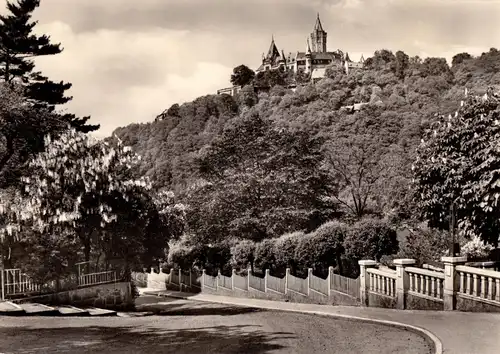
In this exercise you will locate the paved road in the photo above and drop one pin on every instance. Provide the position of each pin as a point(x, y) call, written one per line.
point(184, 326)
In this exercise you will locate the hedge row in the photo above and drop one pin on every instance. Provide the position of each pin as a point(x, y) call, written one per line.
point(332, 244)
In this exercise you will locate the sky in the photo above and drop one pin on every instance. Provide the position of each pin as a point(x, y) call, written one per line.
point(128, 60)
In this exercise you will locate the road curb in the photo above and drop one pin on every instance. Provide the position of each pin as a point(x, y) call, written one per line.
point(430, 337)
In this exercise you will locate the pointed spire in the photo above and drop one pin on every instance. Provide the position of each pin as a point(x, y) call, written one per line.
point(362, 59)
point(308, 48)
point(273, 51)
point(318, 26)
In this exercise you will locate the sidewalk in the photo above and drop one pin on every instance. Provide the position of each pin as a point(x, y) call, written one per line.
point(459, 332)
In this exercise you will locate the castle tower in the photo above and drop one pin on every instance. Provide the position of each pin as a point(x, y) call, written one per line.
point(318, 37)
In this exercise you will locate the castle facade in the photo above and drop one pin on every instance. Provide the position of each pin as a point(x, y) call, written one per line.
point(313, 60)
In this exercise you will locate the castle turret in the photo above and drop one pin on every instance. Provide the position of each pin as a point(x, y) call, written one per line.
point(318, 37)
point(308, 57)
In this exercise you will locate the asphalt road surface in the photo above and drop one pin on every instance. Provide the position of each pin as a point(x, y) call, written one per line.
point(183, 326)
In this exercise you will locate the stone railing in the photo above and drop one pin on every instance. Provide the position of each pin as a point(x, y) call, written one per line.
point(425, 283)
point(458, 287)
point(478, 284)
point(382, 282)
point(454, 287)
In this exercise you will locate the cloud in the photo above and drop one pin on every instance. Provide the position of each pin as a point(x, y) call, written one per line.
point(122, 77)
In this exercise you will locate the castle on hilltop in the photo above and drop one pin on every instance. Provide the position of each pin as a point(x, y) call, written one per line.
point(313, 60)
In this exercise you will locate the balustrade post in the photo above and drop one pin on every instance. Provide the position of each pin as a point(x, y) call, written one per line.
point(309, 274)
point(249, 273)
point(451, 281)
point(266, 275)
point(402, 281)
point(287, 274)
point(364, 282)
point(329, 280)
point(203, 272)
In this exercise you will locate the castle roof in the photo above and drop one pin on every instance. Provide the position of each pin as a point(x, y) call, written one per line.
point(318, 26)
point(320, 55)
point(273, 51)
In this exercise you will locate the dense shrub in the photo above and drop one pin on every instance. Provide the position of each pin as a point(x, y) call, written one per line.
point(321, 249)
point(180, 253)
point(424, 244)
point(370, 239)
point(284, 252)
point(264, 255)
point(243, 254)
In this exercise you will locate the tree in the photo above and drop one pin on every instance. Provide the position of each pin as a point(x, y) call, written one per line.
point(457, 162)
point(242, 75)
point(260, 181)
point(460, 58)
point(360, 157)
point(22, 131)
point(402, 64)
point(18, 45)
point(73, 185)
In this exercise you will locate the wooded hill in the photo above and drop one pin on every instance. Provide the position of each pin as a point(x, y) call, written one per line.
point(367, 154)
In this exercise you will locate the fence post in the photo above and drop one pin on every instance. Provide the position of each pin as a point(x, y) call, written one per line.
point(190, 279)
point(402, 281)
point(218, 278)
point(287, 273)
point(249, 273)
point(329, 280)
point(309, 273)
point(233, 272)
point(170, 276)
point(266, 275)
point(202, 278)
point(180, 279)
point(364, 282)
point(2, 283)
point(451, 281)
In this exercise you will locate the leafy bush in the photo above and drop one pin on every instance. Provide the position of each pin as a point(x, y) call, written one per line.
point(322, 248)
point(180, 253)
point(370, 239)
point(424, 244)
point(264, 255)
point(243, 254)
point(284, 251)
point(476, 248)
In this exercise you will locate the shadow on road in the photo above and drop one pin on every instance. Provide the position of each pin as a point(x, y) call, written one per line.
point(96, 339)
point(180, 310)
point(164, 306)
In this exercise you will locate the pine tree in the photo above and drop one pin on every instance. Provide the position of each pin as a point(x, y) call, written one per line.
point(17, 46)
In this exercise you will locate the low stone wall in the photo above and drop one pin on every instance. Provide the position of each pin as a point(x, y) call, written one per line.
point(473, 305)
point(418, 303)
point(116, 296)
point(377, 300)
